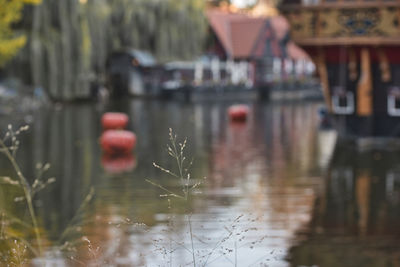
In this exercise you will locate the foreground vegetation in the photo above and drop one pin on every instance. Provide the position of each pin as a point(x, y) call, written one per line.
point(11, 42)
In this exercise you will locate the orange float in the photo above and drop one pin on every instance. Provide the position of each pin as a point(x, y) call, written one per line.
point(118, 164)
point(238, 112)
point(116, 142)
point(114, 120)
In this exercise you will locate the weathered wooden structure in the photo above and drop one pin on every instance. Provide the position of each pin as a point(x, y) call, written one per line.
point(355, 47)
point(132, 72)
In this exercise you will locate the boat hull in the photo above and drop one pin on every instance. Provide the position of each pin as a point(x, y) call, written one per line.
point(362, 89)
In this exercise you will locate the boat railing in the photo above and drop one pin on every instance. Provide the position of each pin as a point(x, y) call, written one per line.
point(356, 22)
point(217, 72)
point(336, 4)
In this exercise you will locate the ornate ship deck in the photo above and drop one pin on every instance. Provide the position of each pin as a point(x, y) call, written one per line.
point(355, 45)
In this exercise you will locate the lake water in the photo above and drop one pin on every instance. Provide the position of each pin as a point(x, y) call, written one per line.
point(274, 190)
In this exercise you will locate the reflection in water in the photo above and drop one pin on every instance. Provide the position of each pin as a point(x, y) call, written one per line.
point(116, 164)
point(356, 220)
point(259, 191)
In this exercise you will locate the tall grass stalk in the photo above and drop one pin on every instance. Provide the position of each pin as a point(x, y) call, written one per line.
point(176, 150)
point(9, 145)
point(29, 190)
point(191, 239)
point(10, 153)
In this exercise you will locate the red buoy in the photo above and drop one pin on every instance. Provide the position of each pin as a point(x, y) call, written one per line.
point(116, 142)
point(114, 120)
point(118, 164)
point(238, 112)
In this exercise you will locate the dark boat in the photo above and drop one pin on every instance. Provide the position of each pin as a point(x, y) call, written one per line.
point(356, 47)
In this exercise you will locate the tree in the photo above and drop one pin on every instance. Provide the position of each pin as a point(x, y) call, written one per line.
point(10, 42)
point(68, 41)
point(218, 2)
point(170, 29)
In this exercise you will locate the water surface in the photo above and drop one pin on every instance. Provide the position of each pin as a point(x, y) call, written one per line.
point(260, 181)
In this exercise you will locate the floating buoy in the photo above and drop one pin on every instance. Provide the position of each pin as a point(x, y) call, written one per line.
point(116, 142)
point(114, 120)
point(118, 164)
point(238, 112)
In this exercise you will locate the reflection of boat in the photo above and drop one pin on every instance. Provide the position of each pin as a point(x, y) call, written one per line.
point(355, 47)
point(355, 220)
point(326, 145)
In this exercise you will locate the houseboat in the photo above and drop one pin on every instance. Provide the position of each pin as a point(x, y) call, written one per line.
point(247, 56)
point(355, 45)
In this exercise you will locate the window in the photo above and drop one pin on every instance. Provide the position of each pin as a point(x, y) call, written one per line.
point(342, 101)
point(393, 101)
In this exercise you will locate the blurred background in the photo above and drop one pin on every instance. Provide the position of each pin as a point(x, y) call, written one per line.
point(290, 110)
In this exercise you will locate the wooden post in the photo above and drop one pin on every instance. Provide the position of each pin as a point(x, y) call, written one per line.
point(323, 75)
point(198, 73)
point(364, 88)
point(276, 69)
point(244, 67)
point(353, 73)
point(384, 66)
point(398, 16)
point(215, 69)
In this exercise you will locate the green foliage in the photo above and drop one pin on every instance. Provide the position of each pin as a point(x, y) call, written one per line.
point(219, 2)
point(10, 13)
point(9, 146)
point(170, 29)
point(68, 41)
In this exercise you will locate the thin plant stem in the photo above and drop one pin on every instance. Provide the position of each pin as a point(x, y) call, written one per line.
point(176, 151)
point(81, 207)
point(191, 240)
point(27, 191)
point(170, 253)
point(221, 240)
point(163, 188)
point(170, 227)
point(235, 253)
point(179, 163)
point(26, 243)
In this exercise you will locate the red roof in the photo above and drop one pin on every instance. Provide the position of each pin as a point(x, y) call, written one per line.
point(239, 33)
point(295, 52)
point(236, 32)
point(244, 34)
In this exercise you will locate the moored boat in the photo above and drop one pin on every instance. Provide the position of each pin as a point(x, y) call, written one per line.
point(356, 48)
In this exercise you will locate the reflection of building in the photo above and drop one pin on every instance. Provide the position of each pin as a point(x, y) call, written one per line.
point(355, 221)
point(292, 143)
point(262, 168)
